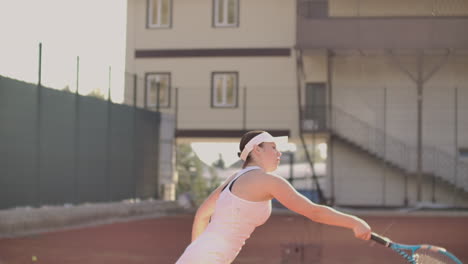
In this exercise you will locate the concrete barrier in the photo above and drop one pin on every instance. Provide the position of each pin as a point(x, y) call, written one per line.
point(27, 220)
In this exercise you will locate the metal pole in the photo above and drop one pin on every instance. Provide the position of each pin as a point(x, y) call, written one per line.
point(406, 199)
point(174, 146)
point(77, 73)
point(314, 133)
point(77, 131)
point(134, 163)
point(455, 181)
point(420, 80)
point(384, 150)
point(38, 129)
point(176, 110)
point(159, 187)
point(419, 126)
point(158, 87)
point(135, 90)
point(244, 110)
point(109, 89)
point(108, 140)
point(145, 93)
point(291, 167)
point(40, 65)
point(330, 154)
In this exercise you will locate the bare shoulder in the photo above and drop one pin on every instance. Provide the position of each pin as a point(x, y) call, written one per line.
point(227, 180)
point(270, 178)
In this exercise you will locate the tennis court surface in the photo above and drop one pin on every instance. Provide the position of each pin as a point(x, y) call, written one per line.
point(285, 238)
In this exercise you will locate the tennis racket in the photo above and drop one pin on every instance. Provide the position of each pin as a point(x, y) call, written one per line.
point(418, 254)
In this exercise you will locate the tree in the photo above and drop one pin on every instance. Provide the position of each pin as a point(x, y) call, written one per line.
point(215, 181)
point(67, 89)
point(190, 171)
point(97, 94)
point(219, 163)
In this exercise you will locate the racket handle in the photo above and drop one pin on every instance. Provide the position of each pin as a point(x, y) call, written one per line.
point(381, 240)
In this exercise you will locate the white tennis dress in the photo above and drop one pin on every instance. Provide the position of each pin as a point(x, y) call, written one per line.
point(232, 222)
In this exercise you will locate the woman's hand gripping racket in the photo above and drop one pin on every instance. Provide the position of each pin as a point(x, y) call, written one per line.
point(418, 254)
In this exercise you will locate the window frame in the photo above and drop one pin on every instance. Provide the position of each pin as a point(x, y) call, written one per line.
point(149, 15)
point(236, 91)
point(147, 87)
point(215, 23)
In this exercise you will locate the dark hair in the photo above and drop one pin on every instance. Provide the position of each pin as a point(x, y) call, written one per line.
point(244, 140)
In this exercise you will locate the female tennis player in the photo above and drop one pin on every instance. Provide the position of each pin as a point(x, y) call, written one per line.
point(231, 213)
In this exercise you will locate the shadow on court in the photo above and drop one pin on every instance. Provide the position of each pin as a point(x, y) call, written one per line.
point(285, 238)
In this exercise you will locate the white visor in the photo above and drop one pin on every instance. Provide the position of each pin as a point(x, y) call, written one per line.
point(259, 139)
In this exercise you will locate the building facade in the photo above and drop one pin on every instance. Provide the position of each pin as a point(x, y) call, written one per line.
point(232, 63)
point(383, 82)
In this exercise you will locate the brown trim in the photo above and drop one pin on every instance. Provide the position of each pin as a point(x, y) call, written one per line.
point(214, 133)
point(381, 33)
point(236, 105)
point(243, 52)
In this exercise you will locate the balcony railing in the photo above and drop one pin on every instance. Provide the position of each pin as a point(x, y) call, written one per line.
point(390, 149)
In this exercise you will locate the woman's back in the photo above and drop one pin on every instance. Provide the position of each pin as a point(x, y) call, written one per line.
point(232, 222)
point(228, 216)
point(251, 186)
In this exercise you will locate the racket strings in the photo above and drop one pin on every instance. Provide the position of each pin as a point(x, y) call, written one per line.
point(426, 256)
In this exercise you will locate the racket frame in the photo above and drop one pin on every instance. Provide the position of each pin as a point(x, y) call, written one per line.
point(409, 257)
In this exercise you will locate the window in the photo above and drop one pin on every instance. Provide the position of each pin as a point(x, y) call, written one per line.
point(153, 81)
point(224, 89)
point(226, 13)
point(159, 13)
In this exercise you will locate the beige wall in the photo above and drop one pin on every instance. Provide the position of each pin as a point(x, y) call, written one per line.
point(271, 92)
point(262, 23)
point(358, 83)
point(315, 66)
point(270, 81)
point(360, 180)
point(358, 89)
point(397, 7)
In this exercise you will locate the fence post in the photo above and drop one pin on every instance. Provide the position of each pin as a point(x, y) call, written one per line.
point(433, 191)
point(77, 72)
point(244, 110)
point(109, 88)
point(406, 153)
point(77, 131)
point(176, 106)
point(135, 175)
point(135, 90)
point(108, 140)
point(455, 180)
point(420, 89)
point(145, 94)
point(40, 65)
point(158, 86)
point(38, 129)
point(384, 149)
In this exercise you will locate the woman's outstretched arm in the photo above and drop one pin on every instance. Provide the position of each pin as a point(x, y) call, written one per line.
point(282, 190)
